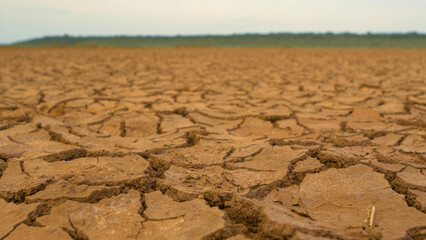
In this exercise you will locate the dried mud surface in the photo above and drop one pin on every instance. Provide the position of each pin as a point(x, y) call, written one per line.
point(212, 144)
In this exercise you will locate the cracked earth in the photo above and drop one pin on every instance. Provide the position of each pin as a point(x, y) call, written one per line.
point(212, 144)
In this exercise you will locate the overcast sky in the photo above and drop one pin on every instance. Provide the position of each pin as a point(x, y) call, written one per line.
point(23, 19)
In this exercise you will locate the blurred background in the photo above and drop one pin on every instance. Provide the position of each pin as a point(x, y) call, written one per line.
point(256, 23)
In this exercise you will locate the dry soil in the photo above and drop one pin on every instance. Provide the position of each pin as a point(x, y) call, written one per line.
point(212, 144)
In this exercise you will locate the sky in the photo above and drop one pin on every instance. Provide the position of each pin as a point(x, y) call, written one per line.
point(25, 19)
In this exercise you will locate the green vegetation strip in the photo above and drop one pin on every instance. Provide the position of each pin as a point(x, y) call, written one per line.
point(303, 40)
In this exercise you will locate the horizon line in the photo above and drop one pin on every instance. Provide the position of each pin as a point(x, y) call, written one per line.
point(219, 34)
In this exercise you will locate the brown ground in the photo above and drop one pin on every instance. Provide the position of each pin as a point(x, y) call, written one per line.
point(212, 144)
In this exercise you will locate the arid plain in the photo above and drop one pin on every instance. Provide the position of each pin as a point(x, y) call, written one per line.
point(204, 143)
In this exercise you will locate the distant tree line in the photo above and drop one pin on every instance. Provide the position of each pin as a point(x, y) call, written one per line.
point(303, 40)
